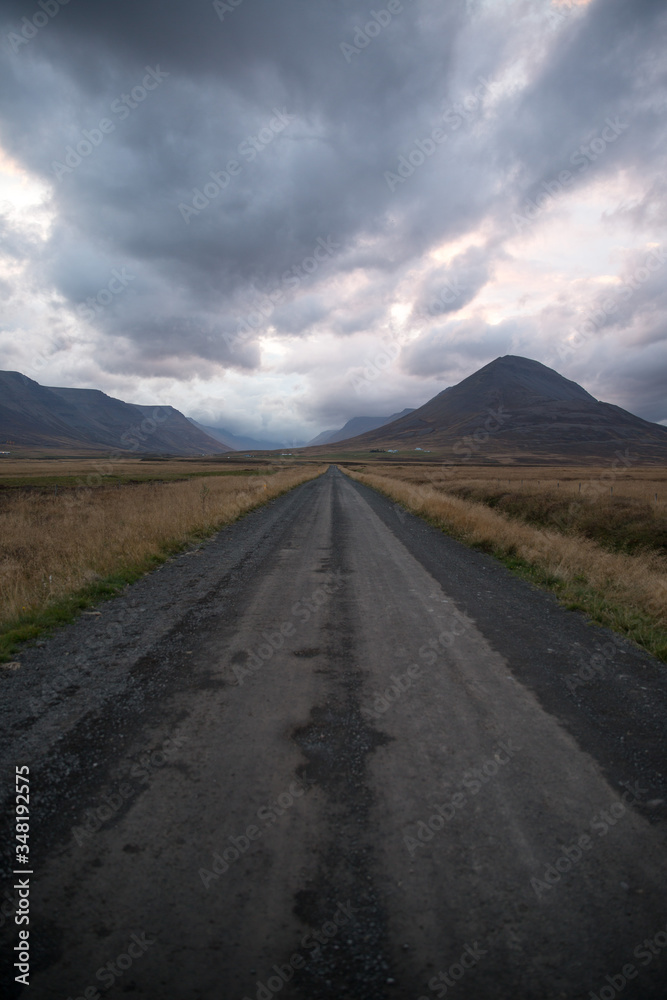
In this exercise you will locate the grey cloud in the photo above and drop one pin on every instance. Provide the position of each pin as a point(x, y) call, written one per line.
point(448, 348)
point(323, 173)
point(635, 304)
point(449, 288)
point(649, 212)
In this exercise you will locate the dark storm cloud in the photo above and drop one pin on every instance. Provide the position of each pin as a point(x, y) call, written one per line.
point(320, 175)
point(238, 136)
point(608, 65)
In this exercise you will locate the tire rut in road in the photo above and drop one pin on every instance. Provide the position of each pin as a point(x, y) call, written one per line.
point(336, 742)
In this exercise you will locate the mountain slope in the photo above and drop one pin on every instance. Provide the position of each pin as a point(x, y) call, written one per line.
point(322, 438)
point(177, 433)
point(515, 409)
point(32, 415)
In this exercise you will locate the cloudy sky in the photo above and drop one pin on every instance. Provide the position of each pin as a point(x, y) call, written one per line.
point(278, 214)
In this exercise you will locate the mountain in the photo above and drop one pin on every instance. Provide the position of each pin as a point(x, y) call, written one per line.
point(356, 426)
point(322, 438)
point(37, 416)
point(518, 410)
point(235, 442)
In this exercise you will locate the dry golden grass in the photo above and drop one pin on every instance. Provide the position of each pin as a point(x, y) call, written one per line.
point(615, 587)
point(83, 467)
point(623, 509)
point(22, 472)
point(586, 483)
point(53, 545)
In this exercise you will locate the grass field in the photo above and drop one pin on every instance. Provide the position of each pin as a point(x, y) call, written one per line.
point(61, 551)
point(77, 472)
point(76, 530)
point(622, 509)
point(602, 552)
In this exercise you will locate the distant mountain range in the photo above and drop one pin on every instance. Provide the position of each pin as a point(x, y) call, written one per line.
point(235, 442)
point(518, 410)
point(355, 426)
point(512, 410)
point(37, 416)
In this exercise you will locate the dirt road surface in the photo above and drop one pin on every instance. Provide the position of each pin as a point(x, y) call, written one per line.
point(334, 754)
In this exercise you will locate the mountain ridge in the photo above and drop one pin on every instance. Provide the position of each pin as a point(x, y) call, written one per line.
point(513, 409)
point(37, 416)
point(539, 415)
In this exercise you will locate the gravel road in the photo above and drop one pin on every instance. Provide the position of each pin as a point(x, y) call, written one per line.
point(332, 753)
